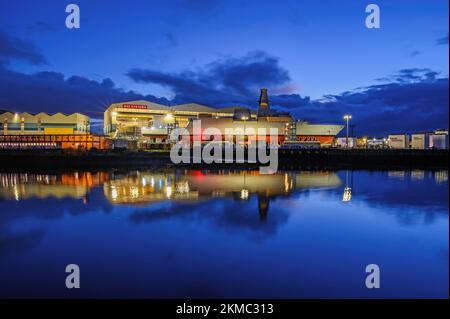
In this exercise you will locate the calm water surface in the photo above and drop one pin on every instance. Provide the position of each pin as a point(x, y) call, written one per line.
point(177, 233)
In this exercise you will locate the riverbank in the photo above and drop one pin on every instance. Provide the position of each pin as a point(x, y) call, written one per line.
point(288, 159)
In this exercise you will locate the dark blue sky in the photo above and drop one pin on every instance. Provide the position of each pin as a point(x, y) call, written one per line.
point(317, 58)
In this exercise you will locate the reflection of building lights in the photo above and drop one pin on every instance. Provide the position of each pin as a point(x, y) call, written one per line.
point(441, 177)
point(144, 182)
point(286, 183)
point(182, 187)
point(114, 193)
point(347, 194)
point(134, 191)
point(417, 175)
point(244, 194)
point(152, 182)
point(16, 193)
point(169, 191)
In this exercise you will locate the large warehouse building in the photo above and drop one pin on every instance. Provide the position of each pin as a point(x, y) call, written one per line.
point(43, 123)
point(152, 121)
point(49, 131)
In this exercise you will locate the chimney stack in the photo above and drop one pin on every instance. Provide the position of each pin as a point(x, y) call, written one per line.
point(264, 100)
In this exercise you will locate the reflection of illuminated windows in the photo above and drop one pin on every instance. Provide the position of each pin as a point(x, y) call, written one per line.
point(244, 194)
point(16, 193)
point(182, 187)
point(347, 194)
point(134, 192)
point(440, 177)
point(113, 193)
point(169, 191)
point(397, 174)
point(417, 175)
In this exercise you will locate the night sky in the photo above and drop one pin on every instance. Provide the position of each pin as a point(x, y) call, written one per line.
point(317, 58)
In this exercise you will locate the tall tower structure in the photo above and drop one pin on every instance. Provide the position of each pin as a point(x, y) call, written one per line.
point(263, 101)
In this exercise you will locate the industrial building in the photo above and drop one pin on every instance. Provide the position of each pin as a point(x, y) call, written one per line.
point(43, 123)
point(48, 131)
point(150, 123)
point(419, 141)
point(153, 122)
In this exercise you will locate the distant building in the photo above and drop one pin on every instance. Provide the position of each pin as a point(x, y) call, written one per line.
point(43, 123)
point(420, 141)
point(48, 131)
point(398, 141)
point(439, 140)
point(153, 122)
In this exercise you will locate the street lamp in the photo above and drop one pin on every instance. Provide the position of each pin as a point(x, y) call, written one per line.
point(347, 117)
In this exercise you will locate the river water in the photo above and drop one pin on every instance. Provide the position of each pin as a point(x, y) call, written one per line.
point(227, 234)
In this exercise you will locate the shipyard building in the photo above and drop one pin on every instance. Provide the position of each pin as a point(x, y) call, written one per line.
point(150, 123)
point(47, 131)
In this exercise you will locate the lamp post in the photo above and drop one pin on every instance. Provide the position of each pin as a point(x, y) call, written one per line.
point(347, 117)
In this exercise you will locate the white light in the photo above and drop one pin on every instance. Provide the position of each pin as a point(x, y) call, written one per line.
point(113, 193)
point(244, 194)
point(169, 191)
point(347, 194)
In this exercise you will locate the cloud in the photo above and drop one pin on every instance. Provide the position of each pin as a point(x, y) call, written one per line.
point(171, 39)
point(41, 26)
point(53, 92)
point(415, 53)
point(443, 40)
point(225, 81)
point(414, 100)
point(12, 48)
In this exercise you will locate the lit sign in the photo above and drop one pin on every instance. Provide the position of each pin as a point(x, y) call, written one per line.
point(308, 139)
point(134, 106)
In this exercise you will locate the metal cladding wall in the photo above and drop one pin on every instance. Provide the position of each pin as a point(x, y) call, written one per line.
point(43, 123)
point(420, 141)
point(439, 141)
point(398, 141)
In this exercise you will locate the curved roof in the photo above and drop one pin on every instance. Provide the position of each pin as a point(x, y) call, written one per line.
point(194, 107)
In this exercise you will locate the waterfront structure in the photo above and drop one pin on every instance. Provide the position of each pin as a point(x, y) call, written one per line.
point(346, 142)
point(398, 141)
point(55, 141)
point(43, 124)
point(48, 131)
point(420, 141)
point(151, 123)
point(439, 140)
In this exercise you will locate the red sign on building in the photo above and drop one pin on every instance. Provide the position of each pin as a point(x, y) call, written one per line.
point(134, 106)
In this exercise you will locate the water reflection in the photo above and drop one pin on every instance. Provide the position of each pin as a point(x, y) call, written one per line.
point(24, 186)
point(197, 233)
point(195, 185)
